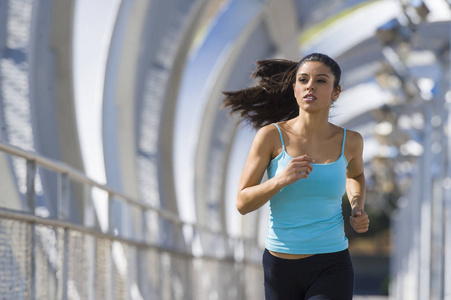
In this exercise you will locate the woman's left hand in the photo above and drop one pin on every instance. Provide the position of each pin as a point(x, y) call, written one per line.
point(359, 220)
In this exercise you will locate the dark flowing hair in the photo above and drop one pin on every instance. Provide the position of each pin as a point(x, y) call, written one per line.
point(272, 98)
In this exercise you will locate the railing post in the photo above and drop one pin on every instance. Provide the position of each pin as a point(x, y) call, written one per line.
point(31, 195)
point(63, 196)
point(88, 207)
point(110, 214)
point(89, 222)
point(92, 267)
point(65, 265)
point(31, 203)
point(32, 262)
point(144, 225)
point(62, 211)
point(111, 284)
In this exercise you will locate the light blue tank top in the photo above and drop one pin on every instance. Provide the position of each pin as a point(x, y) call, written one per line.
point(306, 216)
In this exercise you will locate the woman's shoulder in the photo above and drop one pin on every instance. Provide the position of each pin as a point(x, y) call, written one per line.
point(353, 138)
point(353, 144)
point(268, 139)
point(269, 131)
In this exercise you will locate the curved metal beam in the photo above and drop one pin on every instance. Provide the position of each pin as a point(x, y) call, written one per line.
point(8, 186)
point(219, 75)
point(61, 44)
point(168, 113)
point(282, 23)
point(119, 98)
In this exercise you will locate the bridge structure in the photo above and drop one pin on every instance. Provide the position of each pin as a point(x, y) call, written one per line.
point(119, 169)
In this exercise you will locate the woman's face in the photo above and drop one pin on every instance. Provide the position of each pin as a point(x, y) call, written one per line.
point(314, 87)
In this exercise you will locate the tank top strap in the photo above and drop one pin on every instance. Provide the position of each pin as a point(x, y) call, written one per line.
point(344, 141)
point(281, 137)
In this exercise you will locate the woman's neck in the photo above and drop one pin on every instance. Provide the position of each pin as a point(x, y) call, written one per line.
point(306, 124)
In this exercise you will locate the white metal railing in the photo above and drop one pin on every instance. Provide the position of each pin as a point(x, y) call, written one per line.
point(67, 172)
point(231, 250)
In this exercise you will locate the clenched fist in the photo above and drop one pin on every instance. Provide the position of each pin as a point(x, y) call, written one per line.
point(359, 220)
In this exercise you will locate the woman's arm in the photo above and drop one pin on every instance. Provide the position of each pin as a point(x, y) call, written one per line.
point(252, 194)
point(355, 184)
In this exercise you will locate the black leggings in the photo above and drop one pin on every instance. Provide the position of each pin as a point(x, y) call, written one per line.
point(319, 277)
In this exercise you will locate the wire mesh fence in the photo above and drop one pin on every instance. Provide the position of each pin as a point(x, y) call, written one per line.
point(48, 261)
point(50, 257)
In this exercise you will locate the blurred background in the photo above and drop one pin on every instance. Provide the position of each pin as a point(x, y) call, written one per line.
point(119, 169)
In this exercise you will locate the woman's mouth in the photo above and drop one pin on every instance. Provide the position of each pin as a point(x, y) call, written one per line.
point(309, 98)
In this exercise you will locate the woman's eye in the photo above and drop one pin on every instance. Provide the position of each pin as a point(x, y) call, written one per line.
point(321, 81)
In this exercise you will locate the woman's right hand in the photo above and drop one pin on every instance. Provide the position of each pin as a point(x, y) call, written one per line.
point(298, 168)
point(252, 192)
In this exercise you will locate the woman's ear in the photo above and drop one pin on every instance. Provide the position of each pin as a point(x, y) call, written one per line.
point(336, 93)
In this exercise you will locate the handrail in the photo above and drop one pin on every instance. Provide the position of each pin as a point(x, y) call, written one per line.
point(30, 218)
point(63, 168)
point(75, 174)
